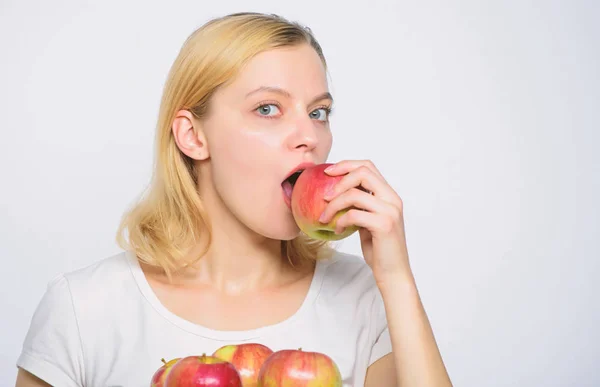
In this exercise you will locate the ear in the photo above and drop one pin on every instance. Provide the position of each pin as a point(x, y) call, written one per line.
point(189, 136)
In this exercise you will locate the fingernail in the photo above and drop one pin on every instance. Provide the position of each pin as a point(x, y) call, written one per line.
point(322, 217)
point(329, 168)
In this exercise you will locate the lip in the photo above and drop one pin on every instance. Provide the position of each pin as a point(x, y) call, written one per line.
point(297, 168)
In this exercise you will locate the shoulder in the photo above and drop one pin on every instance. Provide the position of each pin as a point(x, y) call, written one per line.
point(105, 282)
point(89, 290)
point(53, 348)
point(89, 278)
point(74, 301)
point(342, 267)
point(349, 288)
point(346, 274)
point(105, 269)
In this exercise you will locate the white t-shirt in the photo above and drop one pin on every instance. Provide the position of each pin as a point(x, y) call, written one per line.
point(103, 326)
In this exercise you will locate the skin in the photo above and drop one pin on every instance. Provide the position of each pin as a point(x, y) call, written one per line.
point(243, 279)
point(415, 360)
point(25, 379)
point(239, 150)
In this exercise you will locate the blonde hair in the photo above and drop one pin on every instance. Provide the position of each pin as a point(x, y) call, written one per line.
point(166, 223)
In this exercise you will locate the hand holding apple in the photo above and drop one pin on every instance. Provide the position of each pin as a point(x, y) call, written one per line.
point(247, 358)
point(308, 204)
point(379, 214)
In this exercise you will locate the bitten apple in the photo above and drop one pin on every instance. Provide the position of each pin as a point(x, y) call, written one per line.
point(247, 358)
point(160, 376)
point(203, 371)
point(308, 204)
point(297, 368)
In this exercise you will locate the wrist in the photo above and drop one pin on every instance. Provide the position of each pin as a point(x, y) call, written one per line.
point(394, 282)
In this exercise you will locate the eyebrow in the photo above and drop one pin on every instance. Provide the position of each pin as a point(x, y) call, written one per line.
point(285, 93)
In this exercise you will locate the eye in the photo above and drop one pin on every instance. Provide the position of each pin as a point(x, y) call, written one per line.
point(321, 114)
point(267, 109)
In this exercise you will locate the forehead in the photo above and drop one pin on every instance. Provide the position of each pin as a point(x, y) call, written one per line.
point(298, 69)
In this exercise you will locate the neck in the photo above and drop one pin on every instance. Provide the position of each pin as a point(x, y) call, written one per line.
point(238, 259)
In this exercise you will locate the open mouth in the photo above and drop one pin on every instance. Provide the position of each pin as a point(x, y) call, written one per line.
point(288, 185)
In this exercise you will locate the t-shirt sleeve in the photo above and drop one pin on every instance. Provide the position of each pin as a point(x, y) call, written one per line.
point(52, 349)
point(382, 342)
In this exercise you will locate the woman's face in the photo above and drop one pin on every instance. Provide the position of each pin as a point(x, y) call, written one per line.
point(260, 128)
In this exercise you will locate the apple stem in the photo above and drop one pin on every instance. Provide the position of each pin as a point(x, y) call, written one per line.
point(163, 360)
point(300, 349)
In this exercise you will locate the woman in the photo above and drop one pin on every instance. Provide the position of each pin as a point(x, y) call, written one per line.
point(213, 255)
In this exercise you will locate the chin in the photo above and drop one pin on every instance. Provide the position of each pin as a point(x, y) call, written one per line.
point(280, 228)
point(285, 231)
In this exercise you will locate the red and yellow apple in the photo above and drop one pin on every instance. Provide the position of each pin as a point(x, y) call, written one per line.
point(160, 376)
point(308, 204)
point(247, 358)
point(203, 371)
point(297, 368)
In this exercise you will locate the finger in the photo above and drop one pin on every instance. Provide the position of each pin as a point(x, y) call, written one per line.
point(346, 166)
point(368, 220)
point(353, 198)
point(361, 177)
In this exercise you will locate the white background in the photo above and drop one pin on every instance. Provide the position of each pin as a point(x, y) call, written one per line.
point(483, 116)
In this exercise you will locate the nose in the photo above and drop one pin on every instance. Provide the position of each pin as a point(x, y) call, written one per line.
point(305, 135)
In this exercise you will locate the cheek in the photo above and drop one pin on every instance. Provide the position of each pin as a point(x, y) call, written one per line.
point(246, 161)
point(325, 143)
point(246, 150)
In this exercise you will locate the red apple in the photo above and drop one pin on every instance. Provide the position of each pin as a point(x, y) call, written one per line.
point(160, 376)
point(203, 371)
point(247, 359)
point(308, 204)
point(296, 368)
